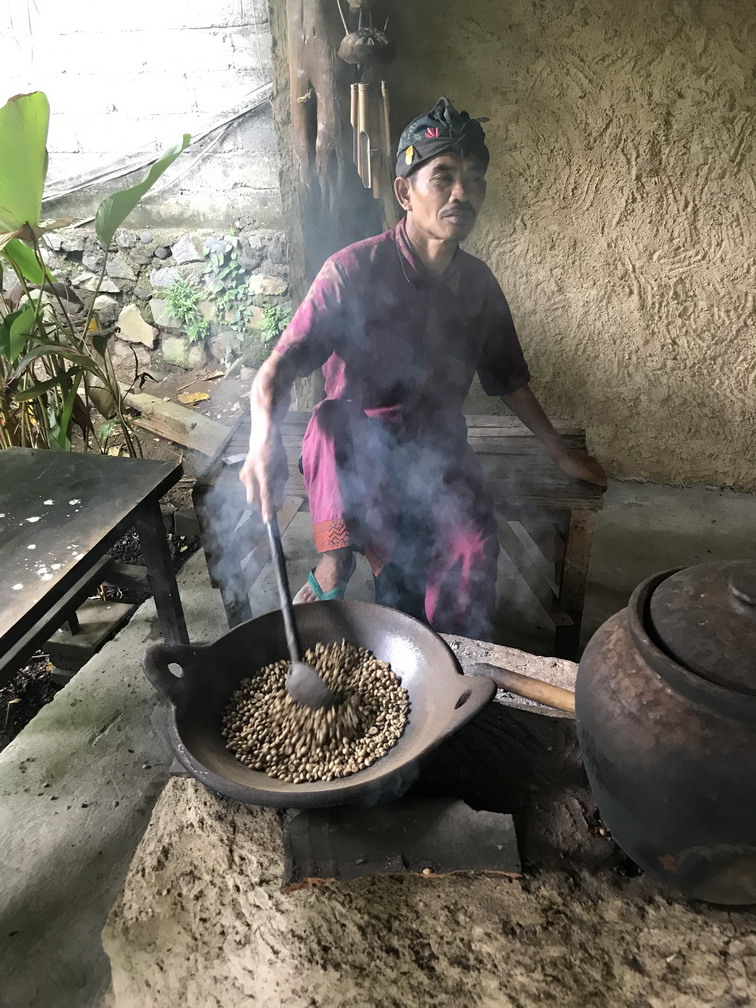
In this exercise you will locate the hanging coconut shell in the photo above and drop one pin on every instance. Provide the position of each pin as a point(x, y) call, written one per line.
point(366, 46)
point(361, 5)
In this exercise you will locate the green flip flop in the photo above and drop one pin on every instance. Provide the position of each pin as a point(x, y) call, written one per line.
point(335, 593)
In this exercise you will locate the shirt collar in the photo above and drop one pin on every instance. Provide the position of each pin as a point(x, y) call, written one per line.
point(413, 268)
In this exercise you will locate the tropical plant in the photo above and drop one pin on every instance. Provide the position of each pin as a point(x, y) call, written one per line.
point(228, 285)
point(275, 319)
point(181, 300)
point(55, 360)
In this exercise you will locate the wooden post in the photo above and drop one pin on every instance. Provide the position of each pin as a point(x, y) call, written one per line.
point(577, 557)
point(325, 204)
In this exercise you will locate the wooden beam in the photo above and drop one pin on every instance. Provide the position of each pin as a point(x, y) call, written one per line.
point(528, 571)
point(429, 837)
point(177, 423)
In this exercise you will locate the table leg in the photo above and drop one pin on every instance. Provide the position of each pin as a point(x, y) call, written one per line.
point(239, 575)
point(236, 601)
point(574, 580)
point(149, 525)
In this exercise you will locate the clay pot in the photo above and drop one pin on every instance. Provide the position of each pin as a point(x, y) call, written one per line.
point(666, 717)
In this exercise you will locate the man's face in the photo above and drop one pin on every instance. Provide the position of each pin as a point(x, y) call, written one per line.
point(443, 196)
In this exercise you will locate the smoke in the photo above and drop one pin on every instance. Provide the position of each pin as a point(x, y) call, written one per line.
point(417, 509)
point(230, 532)
point(416, 500)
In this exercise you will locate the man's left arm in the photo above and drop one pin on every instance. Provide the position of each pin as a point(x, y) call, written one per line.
point(503, 372)
point(578, 465)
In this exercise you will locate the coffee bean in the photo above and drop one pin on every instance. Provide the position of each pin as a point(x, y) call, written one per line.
point(267, 731)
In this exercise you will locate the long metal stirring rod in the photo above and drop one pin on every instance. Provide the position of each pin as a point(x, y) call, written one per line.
point(304, 684)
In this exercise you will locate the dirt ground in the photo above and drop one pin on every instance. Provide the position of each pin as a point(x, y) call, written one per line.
point(203, 922)
point(24, 696)
point(227, 397)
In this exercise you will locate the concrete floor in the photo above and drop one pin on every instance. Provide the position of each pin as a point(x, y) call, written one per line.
point(78, 784)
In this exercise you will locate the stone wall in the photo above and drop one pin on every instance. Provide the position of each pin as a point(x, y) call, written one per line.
point(620, 215)
point(129, 80)
point(141, 269)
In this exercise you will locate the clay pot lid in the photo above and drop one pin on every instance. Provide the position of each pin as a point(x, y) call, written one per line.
point(704, 617)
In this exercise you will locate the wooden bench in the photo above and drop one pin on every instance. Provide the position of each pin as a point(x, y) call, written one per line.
point(546, 520)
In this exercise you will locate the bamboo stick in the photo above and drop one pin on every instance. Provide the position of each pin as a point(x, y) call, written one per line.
point(376, 171)
point(353, 121)
point(376, 145)
point(364, 166)
point(386, 122)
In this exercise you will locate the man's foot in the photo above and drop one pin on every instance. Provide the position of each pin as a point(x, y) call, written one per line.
point(333, 569)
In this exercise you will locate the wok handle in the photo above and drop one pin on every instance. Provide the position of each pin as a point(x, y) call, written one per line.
point(474, 694)
point(156, 664)
point(532, 689)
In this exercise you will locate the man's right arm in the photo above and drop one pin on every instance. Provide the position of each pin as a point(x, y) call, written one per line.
point(265, 469)
point(304, 346)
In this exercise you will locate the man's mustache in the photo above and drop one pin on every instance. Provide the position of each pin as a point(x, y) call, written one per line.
point(459, 208)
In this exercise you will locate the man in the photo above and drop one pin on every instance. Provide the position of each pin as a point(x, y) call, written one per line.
point(400, 323)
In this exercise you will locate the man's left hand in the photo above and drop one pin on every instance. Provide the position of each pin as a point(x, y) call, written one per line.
point(578, 465)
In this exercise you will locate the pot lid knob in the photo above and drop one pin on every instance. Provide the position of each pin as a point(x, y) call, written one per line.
point(743, 583)
point(704, 617)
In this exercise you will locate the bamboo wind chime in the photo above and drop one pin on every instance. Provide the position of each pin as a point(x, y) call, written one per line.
point(368, 49)
point(370, 118)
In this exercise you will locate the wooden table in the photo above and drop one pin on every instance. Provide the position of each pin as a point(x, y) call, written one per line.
point(60, 512)
point(546, 520)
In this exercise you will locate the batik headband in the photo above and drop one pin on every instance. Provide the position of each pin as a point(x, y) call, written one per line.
point(442, 129)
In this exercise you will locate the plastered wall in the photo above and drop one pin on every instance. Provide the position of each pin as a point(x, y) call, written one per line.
point(129, 79)
point(620, 215)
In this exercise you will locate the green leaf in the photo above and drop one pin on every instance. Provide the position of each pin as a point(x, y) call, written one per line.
point(100, 343)
point(114, 210)
point(65, 419)
point(35, 391)
point(55, 350)
point(23, 162)
point(25, 261)
point(105, 431)
point(14, 329)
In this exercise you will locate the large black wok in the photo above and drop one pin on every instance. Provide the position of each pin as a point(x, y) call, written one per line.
point(441, 699)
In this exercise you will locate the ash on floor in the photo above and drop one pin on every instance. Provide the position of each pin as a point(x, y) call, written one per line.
point(27, 692)
point(128, 550)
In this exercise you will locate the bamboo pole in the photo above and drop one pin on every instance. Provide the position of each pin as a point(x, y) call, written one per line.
point(353, 121)
point(376, 172)
point(386, 121)
point(377, 157)
point(364, 167)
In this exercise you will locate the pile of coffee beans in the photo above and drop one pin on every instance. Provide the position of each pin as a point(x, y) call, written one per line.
point(268, 731)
